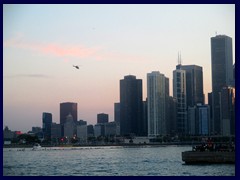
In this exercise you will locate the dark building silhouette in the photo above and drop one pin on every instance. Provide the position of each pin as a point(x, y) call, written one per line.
point(145, 118)
point(90, 130)
point(222, 73)
point(102, 118)
point(172, 110)
point(194, 83)
point(233, 83)
point(210, 108)
point(81, 122)
point(117, 112)
point(180, 93)
point(55, 132)
point(227, 110)
point(67, 108)
point(46, 125)
point(131, 116)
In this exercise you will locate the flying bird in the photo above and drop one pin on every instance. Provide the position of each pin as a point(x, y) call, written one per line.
point(77, 67)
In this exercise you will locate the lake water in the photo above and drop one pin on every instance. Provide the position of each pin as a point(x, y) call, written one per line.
point(106, 161)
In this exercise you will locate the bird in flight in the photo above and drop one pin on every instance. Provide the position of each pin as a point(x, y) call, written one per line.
point(77, 67)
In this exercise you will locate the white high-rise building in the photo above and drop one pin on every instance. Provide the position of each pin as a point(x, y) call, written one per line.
point(179, 92)
point(157, 98)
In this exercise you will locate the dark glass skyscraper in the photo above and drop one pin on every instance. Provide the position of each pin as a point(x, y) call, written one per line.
point(227, 110)
point(67, 108)
point(131, 115)
point(117, 112)
point(194, 83)
point(46, 125)
point(222, 73)
point(102, 118)
point(180, 93)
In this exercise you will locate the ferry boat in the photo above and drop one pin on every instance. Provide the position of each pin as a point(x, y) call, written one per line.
point(203, 154)
point(36, 146)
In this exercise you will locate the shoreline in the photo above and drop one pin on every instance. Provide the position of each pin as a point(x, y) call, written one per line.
point(106, 145)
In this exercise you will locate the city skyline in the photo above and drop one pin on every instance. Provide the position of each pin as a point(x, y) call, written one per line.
point(41, 43)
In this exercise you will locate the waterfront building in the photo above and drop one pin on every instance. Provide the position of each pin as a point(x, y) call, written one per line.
point(227, 110)
point(203, 119)
point(102, 118)
point(69, 128)
point(99, 130)
point(199, 120)
point(7, 134)
point(172, 115)
point(194, 84)
point(192, 120)
point(36, 129)
point(117, 112)
point(112, 129)
point(90, 130)
point(46, 125)
point(131, 116)
point(145, 117)
point(55, 132)
point(157, 103)
point(180, 93)
point(82, 133)
point(67, 108)
point(222, 73)
point(81, 122)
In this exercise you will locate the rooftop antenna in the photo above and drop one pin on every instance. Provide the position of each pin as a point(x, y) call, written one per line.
point(216, 33)
point(179, 59)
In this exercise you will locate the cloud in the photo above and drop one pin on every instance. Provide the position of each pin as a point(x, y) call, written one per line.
point(67, 51)
point(54, 49)
point(28, 76)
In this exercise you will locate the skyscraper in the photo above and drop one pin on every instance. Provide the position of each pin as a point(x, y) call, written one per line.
point(180, 93)
point(157, 101)
point(194, 84)
point(227, 110)
point(198, 119)
point(117, 112)
point(67, 108)
point(102, 118)
point(222, 73)
point(46, 125)
point(131, 106)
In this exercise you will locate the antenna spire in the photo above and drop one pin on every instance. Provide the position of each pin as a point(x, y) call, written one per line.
point(180, 59)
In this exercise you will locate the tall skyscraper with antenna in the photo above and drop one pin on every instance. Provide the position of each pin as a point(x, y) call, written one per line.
point(222, 74)
point(180, 93)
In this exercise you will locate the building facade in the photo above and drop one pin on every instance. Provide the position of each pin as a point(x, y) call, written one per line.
point(46, 125)
point(67, 108)
point(227, 110)
point(82, 133)
point(157, 101)
point(55, 132)
point(131, 118)
point(199, 120)
point(180, 93)
point(102, 118)
point(194, 84)
point(69, 128)
point(222, 73)
point(117, 112)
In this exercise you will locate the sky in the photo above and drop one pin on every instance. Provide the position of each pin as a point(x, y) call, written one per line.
point(41, 43)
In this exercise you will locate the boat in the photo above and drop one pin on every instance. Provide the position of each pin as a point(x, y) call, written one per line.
point(204, 155)
point(36, 146)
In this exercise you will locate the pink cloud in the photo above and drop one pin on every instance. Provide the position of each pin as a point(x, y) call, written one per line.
point(71, 51)
point(53, 49)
